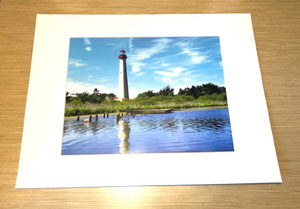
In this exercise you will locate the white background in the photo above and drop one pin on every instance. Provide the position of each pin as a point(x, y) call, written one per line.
point(41, 163)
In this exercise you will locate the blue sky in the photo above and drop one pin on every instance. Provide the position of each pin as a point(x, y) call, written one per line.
point(152, 63)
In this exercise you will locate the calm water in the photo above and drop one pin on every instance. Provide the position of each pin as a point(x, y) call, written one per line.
point(182, 131)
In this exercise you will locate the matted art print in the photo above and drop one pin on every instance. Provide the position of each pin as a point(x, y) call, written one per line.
point(161, 99)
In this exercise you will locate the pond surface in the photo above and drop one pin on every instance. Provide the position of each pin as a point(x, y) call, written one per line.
point(204, 130)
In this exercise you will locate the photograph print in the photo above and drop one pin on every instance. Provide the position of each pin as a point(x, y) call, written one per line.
point(146, 95)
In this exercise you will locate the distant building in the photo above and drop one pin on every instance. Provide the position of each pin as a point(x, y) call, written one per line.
point(123, 81)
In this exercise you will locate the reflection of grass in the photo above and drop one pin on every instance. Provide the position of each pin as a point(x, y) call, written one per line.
point(158, 102)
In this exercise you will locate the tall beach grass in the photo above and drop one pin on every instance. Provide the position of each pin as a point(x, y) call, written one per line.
point(164, 102)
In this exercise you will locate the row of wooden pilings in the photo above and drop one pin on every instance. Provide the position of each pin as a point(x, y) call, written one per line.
point(130, 113)
point(106, 115)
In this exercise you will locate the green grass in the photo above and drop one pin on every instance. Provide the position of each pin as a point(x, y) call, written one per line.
point(155, 102)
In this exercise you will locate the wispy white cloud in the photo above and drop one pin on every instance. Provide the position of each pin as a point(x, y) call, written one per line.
point(168, 81)
point(172, 76)
point(88, 43)
point(110, 44)
point(165, 64)
point(130, 45)
point(172, 72)
point(91, 67)
point(181, 44)
point(140, 74)
point(88, 48)
point(139, 56)
point(76, 63)
point(159, 46)
point(136, 66)
point(194, 55)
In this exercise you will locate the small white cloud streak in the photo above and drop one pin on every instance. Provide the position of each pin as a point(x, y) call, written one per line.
point(196, 58)
point(174, 72)
point(76, 63)
point(136, 67)
point(199, 59)
point(87, 41)
point(181, 44)
point(165, 64)
point(140, 74)
point(79, 65)
point(110, 44)
point(130, 46)
point(88, 48)
point(167, 80)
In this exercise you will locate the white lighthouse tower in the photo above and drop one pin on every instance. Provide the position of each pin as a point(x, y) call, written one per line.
point(123, 82)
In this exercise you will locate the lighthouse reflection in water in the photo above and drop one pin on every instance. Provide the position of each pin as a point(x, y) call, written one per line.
point(124, 133)
point(201, 130)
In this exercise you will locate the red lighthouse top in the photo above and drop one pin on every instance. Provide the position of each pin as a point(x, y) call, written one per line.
point(122, 55)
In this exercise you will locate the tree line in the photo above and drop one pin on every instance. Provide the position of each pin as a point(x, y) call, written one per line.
point(188, 93)
point(194, 91)
point(96, 97)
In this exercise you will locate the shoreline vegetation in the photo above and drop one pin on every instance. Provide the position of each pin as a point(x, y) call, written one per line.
point(206, 95)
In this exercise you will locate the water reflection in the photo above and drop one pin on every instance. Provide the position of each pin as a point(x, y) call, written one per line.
point(124, 134)
point(86, 125)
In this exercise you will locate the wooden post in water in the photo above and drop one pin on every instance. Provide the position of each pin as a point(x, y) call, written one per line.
point(107, 115)
point(77, 118)
point(96, 117)
point(104, 115)
point(90, 120)
point(118, 118)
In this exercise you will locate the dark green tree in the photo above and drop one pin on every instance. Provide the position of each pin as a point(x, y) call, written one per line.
point(166, 91)
point(83, 97)
point(96, 91)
